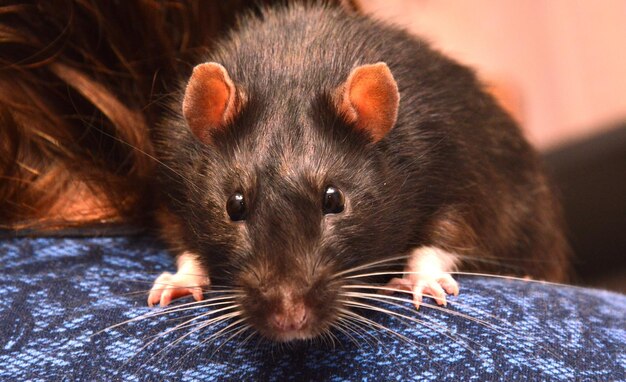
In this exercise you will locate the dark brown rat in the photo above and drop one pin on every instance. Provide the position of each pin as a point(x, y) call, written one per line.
point(313, 145)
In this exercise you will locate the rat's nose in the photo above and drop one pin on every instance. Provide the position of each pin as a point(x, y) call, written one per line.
point(290, 318)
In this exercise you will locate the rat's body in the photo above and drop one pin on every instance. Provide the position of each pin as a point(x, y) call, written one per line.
point(305, 102)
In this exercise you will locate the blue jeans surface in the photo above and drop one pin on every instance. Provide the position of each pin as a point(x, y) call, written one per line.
point(56, 294)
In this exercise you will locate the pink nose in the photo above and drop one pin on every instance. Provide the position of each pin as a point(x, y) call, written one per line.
point(290, 319)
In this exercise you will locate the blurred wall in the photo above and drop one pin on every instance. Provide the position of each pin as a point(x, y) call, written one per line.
point(559, 65)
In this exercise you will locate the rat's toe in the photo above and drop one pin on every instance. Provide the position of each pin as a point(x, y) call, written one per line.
point(449, 284)
point(428, 288)
point(166, 297)
point(158, 288)
point(397, 284)
point(168, 287)
point(424, 286)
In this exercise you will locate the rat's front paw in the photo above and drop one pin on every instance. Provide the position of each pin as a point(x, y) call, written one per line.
point(168, 287)
point(435, 286)
point(426, 274)
point(190, 279)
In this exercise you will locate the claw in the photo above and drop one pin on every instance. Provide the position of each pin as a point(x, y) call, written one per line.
point(426, 276)
point(190, 279)
point(168, 287)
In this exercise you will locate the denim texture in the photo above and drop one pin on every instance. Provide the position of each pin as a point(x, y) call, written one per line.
point(57, 293)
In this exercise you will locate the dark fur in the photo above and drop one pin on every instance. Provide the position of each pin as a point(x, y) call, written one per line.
point(454, 173)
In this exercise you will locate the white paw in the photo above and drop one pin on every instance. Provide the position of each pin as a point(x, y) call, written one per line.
point(434, 286)
point(426, 275)
point(168, 287)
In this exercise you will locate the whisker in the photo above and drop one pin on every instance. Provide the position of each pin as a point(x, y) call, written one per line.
point(508, 259)
point(243, 329)
point(333, 338)
point(365, 266)
point(168, 310)
point(346, 332)
point(371, 323)
point(415, 320)
point(212, 287)
point(223, 331)
point(100, 130)
point(432, 306)
point(355, 325)
point(496, 328)
point(425, 323)
point(196, 317)
point(245, 340)
point(208, 290)
point(523, 279)
point(390, 273)
point(324, 339)
point(186, 324)
point(215, 319)
point(383, 273)
point(158, 273)
point(200, 326)
point(490, 260)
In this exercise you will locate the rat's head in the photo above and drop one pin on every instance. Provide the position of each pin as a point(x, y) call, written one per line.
point(292, 193)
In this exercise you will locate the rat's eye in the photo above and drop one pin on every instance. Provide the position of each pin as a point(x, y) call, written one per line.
point(333, 200)
point(236, 207)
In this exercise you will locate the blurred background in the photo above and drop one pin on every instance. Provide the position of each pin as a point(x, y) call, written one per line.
point(559, 67)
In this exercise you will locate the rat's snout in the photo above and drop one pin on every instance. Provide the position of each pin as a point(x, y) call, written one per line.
point(286, 310)
point(289, 316)
point(289, 300)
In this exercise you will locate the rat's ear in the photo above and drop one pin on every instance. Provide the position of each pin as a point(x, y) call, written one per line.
point(369, 99)
point(211, 100)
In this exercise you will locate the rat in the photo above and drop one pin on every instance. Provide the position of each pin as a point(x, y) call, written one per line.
point(312, 144)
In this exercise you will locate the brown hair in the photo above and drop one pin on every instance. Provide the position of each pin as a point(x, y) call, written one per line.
point(81, 81)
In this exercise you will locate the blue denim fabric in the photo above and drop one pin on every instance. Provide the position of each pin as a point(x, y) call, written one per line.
point(56, 293)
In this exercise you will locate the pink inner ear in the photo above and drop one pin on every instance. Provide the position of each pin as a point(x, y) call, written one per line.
point(209, 101)
point(370, 99)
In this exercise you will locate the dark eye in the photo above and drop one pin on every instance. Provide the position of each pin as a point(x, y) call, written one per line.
point(333, 200)
point(236, 207)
